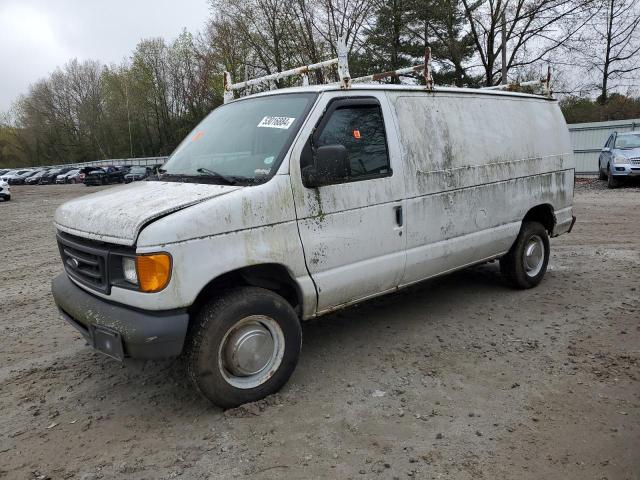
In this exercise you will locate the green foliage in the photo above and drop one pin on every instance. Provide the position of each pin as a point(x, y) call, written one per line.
point(617, 107)
point(11, 154)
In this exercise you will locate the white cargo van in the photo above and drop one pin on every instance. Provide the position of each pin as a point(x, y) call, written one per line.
point(285, 205)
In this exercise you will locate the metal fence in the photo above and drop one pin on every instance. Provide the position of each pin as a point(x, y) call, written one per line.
point(587, 140)
point(143, 161)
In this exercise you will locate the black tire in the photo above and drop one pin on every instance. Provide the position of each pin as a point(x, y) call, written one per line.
point(612, 182)
point(514, 265)
point(601, 174)
point(212, 326)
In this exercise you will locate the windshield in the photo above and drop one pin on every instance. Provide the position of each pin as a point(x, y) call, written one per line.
point(628, 141)
point(243, 141)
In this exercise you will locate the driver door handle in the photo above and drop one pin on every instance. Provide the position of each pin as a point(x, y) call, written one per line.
point(399, 216)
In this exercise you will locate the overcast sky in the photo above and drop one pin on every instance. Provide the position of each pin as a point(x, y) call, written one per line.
point(36, 36)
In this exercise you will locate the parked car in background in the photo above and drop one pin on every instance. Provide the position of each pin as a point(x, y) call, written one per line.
point(68, 177)
point(620, 158)
point(50, 176)
point(74, 176)
point(5, 191)
point(95, 176)
point(33, 173)
point(35, 178)
point(83, 172)
point(3, 171)
point(16, 177)
point(7, 173)
point(104, 175)
point(137, 173)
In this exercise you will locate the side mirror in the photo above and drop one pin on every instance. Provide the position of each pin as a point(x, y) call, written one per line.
point(331, 165)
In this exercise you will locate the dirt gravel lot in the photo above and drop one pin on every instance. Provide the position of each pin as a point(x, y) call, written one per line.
point(460, 377)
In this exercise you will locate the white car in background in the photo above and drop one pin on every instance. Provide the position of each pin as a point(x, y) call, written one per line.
point(5, 191)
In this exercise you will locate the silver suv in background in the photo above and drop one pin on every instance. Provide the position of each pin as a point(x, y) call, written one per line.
point(620, 158)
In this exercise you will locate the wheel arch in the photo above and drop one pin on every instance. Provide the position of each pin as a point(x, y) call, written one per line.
point(544, 214)
point(270, 276)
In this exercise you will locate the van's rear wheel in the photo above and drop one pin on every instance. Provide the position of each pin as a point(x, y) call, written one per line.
point(243, 346)
point(526, 262)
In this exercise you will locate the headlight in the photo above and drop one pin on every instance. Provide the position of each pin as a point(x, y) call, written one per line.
point(129, 270)
point(619, 159)
point(154, 271)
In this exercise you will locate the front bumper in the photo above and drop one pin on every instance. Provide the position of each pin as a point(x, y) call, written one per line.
point(117, 330)
point(628, 170)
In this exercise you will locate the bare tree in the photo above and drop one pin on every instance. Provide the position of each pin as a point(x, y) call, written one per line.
point(612, 45)
point(343, 18)
point(534, 29)
point(262, 25)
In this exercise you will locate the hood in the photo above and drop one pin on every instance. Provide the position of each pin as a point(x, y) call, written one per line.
point(629, 152)
point(118, 214)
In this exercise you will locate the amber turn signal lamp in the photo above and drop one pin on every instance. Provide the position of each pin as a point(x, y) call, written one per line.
point(154, 271)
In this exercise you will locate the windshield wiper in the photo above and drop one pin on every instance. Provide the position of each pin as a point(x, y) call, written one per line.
point(204, 173)
point(229, 179)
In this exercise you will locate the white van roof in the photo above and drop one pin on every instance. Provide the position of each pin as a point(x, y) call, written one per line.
point(395, 88)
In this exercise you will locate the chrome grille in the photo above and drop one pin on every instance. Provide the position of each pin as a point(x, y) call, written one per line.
point(85, 262)
point(635, 160)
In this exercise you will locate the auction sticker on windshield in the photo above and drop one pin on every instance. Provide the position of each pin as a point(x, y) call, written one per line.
point(276, 122)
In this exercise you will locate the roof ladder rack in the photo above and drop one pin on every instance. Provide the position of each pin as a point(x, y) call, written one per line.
point(343, 73)
point(340, 60)
point(424, 68)
point(543, 82)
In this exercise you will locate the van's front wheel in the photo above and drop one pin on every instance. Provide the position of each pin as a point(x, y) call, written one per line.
point(243, 346)
point(526, 262)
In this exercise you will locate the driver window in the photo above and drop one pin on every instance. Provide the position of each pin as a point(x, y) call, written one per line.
point(361, 131)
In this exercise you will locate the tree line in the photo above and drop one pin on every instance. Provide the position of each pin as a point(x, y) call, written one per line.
point(143, 107)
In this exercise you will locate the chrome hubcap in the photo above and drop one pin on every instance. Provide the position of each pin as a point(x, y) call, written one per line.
point(251, 351)
point(248, 349)
point(533, 256)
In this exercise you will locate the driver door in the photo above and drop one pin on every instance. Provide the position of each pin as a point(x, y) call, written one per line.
point(352, 231)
